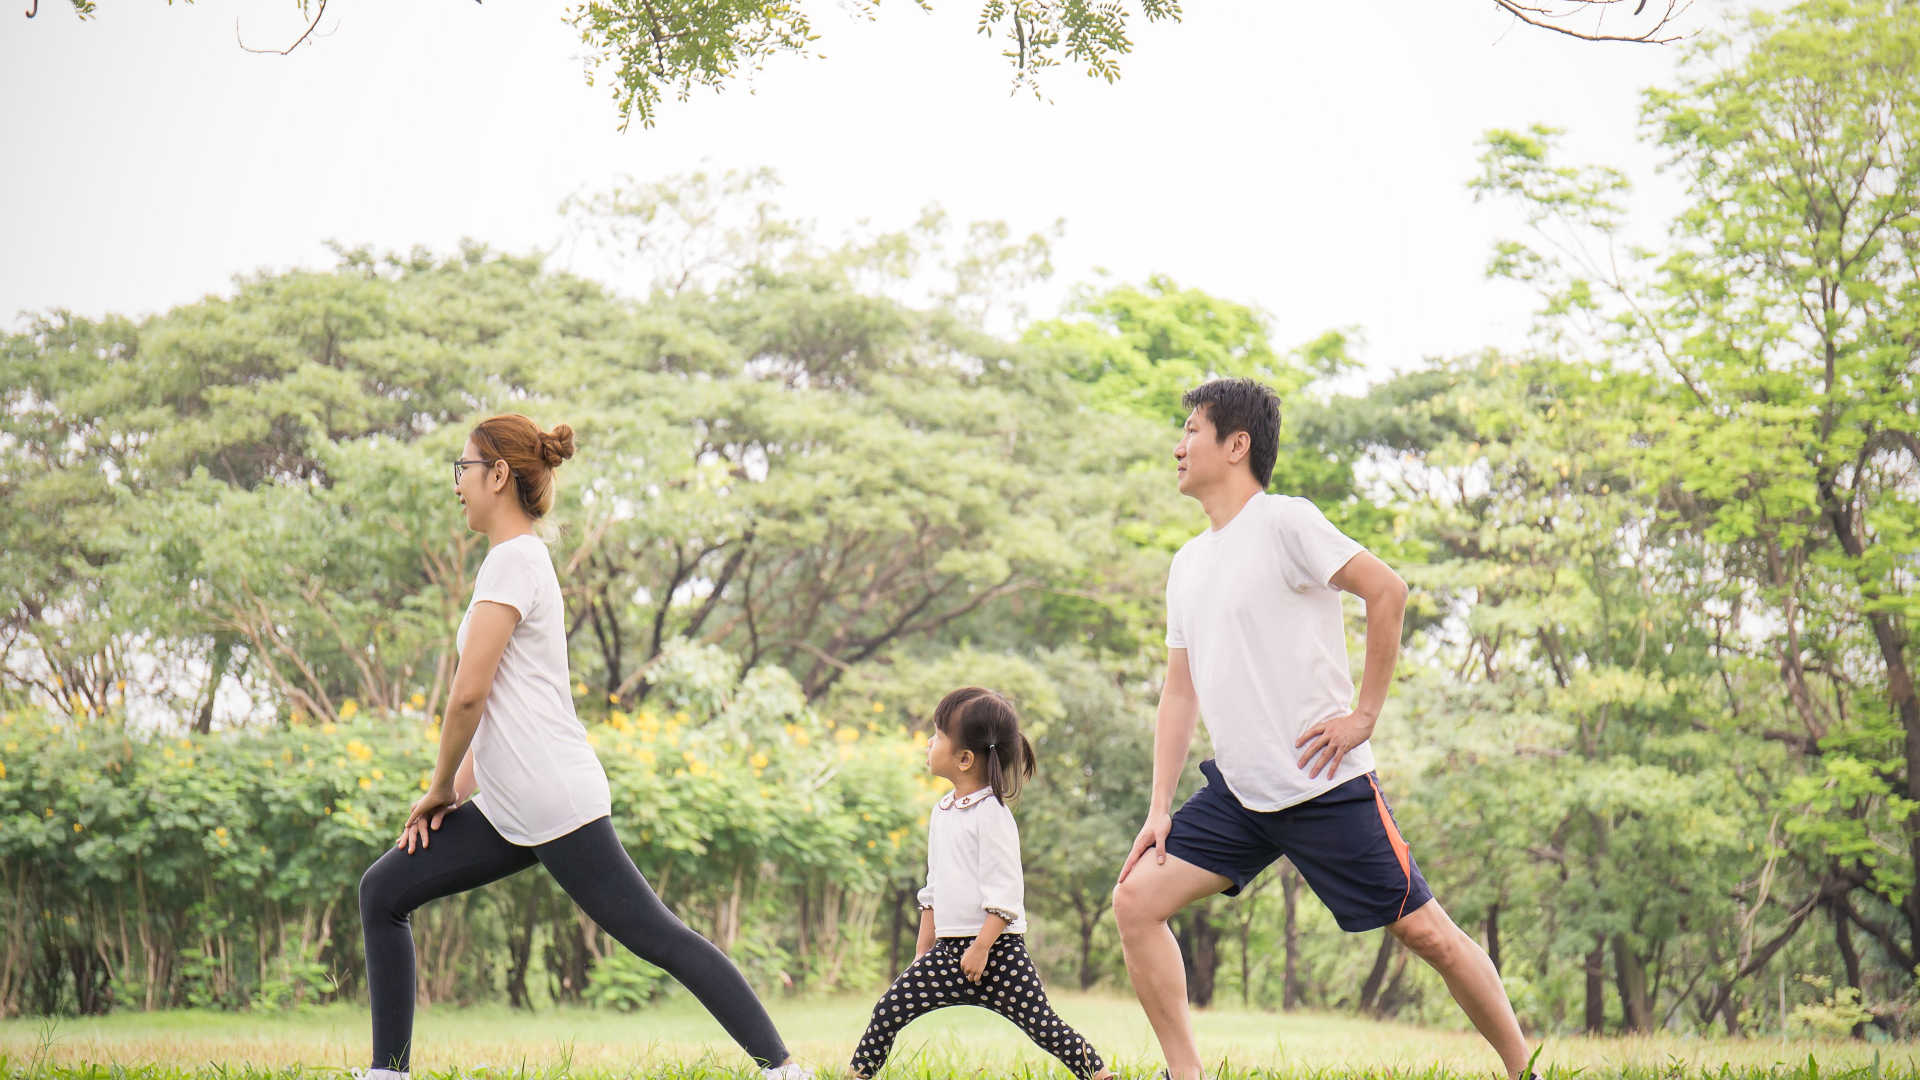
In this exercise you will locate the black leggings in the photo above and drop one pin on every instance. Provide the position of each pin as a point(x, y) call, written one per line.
point(595, 871)
point(1009, 986)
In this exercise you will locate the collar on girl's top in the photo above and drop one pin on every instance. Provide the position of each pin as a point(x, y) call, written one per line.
point(954, 802)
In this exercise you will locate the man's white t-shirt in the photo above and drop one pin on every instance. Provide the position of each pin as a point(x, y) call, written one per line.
point(1251, 604)
point(538, 778)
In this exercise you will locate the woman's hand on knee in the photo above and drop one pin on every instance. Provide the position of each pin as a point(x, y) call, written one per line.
point(425, 819)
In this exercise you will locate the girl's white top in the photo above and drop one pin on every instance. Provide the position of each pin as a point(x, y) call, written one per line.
point(973, 866)
point(538, 777)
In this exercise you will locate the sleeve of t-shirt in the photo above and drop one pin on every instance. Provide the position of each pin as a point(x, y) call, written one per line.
point(1002, 891)
point(505, 578)
point(1176, 634)
point(1312, 546)
point(926, 892)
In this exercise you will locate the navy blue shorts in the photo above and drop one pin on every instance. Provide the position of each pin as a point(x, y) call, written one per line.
point(1345, 843)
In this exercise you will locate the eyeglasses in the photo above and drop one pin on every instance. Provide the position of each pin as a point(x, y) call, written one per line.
point(460, 464)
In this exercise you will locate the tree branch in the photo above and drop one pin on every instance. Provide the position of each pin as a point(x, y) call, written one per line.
point(1543, 18)
point(318, 13)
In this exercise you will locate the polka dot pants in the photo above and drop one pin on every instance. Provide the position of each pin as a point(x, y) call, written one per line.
point(1010, 986)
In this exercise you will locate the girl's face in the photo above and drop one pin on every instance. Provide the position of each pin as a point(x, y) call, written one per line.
point(479, 485)
point(943, 761)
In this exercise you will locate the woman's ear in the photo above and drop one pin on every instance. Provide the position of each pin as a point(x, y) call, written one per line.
point(499, 474)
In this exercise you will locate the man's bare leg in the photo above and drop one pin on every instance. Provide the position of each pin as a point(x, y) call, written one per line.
point(1470, 976)
point(1142, 904)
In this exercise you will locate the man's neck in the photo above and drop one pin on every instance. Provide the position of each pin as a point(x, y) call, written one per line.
point(1224, 504)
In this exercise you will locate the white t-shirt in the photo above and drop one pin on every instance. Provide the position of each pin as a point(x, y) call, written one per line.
point(538, 778)
point(973, 866)
point(1251, 604)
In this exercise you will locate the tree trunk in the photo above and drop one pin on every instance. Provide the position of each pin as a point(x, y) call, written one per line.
point(217, 673)
point(1851, 959)
point(1200, 952)
point(1596, 968)
point(1630, 969)
point(1290, 895)
point(1370, 990)
point(1493, 934)
point(1089, 922)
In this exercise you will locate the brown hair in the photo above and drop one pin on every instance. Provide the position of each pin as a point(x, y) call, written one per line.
point(531, 455)
point(982, 721)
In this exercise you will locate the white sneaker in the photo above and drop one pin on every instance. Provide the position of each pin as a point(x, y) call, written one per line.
point(789, 1071)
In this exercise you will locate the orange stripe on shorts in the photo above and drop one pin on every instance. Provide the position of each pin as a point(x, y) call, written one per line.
point(1400, 849)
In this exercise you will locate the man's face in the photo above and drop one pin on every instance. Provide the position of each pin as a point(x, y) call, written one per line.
point(1202, 460)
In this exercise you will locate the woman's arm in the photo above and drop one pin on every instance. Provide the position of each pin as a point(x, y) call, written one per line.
point(488, 631)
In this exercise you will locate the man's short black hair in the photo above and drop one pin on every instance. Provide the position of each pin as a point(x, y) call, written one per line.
point(1242, 405)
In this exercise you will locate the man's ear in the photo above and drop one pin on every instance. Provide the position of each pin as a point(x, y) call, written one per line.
point(1239, 445)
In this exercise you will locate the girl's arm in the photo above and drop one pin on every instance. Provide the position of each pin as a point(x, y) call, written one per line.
point(925, 940)
point(973, 963)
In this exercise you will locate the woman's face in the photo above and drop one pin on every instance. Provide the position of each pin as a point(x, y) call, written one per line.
point(479, 485)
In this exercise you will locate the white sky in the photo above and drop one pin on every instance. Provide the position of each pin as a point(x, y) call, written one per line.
point(1309, 159)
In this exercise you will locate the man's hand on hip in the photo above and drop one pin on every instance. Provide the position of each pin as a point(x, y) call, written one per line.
point(1328, 742)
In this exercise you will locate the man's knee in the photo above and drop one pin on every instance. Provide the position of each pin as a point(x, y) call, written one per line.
point(1135, 909)
point(1432, 937)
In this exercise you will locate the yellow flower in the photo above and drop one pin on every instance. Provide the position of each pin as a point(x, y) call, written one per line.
point(919, 740)
point(580, 688)
point(644, 756)
point(680, 718)
point(328, 729)
point(418, 700)
point(697, 768)
point(613, 699)
point(846, 735)
point(873, 843)
point(365, 783)
point(359, 751)
point(433, 732)
point(3, 770)
point(648, 721)
point(221, 832)
point(646, 736)
point(878, 707)
point(423, 787)
point(77, 827)
point(49, 811)
point(348, 709)
point(378, 775)
point(758, 761)
point(801, 738)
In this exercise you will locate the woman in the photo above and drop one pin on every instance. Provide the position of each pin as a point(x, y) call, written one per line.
point(511, 744)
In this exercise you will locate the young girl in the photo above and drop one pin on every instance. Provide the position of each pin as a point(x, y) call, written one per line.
point(970, 950)
point(517, 783)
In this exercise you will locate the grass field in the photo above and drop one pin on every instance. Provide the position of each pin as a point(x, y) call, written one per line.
point(677, 1041)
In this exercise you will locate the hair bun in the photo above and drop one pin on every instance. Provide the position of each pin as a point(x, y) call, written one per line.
point(556, 446)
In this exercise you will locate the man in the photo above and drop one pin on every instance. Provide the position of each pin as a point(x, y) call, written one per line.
point(1256, 646)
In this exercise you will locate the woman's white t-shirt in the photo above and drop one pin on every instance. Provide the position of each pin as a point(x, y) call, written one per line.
point(1253, 605)
point(538, 777)
point(973, 866)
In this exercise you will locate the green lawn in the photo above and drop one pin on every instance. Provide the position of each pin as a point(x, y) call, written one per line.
point(677, 1040)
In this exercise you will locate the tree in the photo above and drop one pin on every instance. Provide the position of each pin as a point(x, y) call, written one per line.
point(1783, 334)
point(645, 49)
